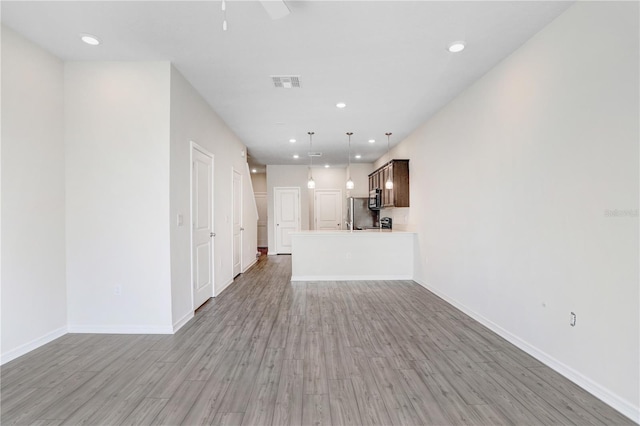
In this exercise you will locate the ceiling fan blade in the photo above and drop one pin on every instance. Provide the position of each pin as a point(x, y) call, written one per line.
point(275, 8)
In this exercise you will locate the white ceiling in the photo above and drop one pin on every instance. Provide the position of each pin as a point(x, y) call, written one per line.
point(387, 60)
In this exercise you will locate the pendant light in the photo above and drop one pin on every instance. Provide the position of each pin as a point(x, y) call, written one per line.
point(350, 184)
point(223, 7)
point(311, 184)
point(389, 183)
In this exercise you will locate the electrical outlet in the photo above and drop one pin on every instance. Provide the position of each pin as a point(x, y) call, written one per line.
point(572, 319)
point(117, 290)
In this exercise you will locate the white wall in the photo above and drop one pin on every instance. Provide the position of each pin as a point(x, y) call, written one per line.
point(336, 178)
point(117, 187)
point(192, 119)
point(249, 221)
point(34, 307)
point(331, 178)
point(360, 177)
point(259, 181)
point(510, 185)
point(113, 137)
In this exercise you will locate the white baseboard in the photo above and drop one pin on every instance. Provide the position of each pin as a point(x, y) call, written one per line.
point(120, 329)
point(34, 344)
point(224, 287)
point(351, 277)
point(616, 402)
point(250, 265)
point(182, 321)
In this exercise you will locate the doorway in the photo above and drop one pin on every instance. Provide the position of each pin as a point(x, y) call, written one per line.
point(287, 217)
point(202, 230)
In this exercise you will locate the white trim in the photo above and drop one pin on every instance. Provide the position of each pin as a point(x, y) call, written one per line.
point(352, 277)
point(607, 396)
point(121, 329)
point(182, 321)
point(250, 265)
point(32, 345)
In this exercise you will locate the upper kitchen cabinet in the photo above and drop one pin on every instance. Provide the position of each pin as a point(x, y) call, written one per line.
point(398, 170)
point(374, 180)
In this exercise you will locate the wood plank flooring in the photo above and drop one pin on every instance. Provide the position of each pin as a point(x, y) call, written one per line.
point(270, 351)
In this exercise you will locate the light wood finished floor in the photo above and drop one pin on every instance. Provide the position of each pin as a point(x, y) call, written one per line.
point(269, 351)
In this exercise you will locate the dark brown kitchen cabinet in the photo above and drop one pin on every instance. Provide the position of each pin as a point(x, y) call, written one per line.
point(374, 181)
point(398, 170)
point(387, 194)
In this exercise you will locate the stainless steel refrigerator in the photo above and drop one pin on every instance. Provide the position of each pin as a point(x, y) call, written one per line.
point(358, 214)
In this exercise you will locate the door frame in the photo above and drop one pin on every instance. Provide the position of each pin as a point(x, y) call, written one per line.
point(275, 214)
point(194, 146)
point(315, 205)
point(233, 172)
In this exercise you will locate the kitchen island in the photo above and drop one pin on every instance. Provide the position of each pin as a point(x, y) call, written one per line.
point(352, 255)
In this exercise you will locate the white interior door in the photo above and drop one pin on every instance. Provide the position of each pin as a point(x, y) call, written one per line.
point(202, 229)
point(287, 217)
point(237, 223)
point(261, 204)
point(328, 211)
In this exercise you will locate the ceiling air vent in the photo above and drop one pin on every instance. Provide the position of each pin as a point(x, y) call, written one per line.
point(315, 154)
point(286, 81)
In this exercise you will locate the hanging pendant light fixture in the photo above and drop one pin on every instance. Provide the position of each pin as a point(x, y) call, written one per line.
point(350, 184)
point(223, 7)
point(311, 184)
point(389, 183)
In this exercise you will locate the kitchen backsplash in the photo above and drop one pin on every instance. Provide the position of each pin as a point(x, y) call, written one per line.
point(400, 217)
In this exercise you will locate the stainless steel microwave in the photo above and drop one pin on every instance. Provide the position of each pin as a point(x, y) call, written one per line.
point(375, 199)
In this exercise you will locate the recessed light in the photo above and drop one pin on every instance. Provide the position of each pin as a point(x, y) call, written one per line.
point(90, 39)
point(326, 166)
point(254, 171)
point(456, 46)
point(292, 140)
point(372, 141)
point(341, 105)
point(296, 156)
point(358, 156)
